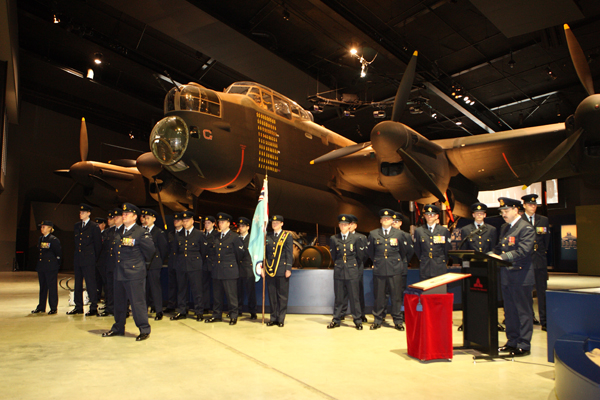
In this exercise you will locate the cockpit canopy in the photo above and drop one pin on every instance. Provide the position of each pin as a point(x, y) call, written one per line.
point(270, 100)
point(193, 97)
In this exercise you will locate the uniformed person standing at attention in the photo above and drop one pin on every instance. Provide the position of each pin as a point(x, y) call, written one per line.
point(49, 259)
point(172, 239)
point(410, 252)
point(133, 250)
point(191, 248)
point(516, 245)
point(479, 236)
point(346, 251)
point(100, 272)
point(212, 236)
point(101, 265)
point(386, 248)
point(432, 243)
point(361, 267)
point(111, 263)
point(88, 242)
point(161, 250)
point(246, 283)
point(225, 273)
point(540, 252)
point(278, 269)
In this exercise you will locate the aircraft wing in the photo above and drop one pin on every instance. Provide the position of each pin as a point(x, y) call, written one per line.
point(505, 159)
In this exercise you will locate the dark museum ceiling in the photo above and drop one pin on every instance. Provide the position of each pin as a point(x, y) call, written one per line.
point(510, 57)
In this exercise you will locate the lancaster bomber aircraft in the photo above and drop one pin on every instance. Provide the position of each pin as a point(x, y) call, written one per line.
point(223, 142)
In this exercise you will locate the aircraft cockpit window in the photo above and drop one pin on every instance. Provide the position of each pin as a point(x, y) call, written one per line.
point(282, 107)
point(170, 100)
point(211, 103)
point(254, 94)
point(189, 98)
point(267, 101)
point(238, 89)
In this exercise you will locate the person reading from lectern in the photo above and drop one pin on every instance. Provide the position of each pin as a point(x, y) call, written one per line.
point(347, 254)
point(516, 246)
point(479, 236)
point(277, 270)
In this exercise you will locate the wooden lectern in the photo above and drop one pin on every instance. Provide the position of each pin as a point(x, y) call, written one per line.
point(480, 300)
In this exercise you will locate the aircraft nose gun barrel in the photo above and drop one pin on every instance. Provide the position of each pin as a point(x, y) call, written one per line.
point(169, 139)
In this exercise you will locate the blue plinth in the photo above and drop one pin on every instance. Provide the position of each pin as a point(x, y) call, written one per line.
point(576, 376)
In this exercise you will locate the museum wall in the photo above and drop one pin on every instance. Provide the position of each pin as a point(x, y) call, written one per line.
point(9, 201)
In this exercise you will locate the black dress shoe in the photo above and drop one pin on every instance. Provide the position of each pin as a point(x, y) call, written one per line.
point(399, 327)
point(460, 328)
point(520, 352)
point(359, 327)
point(178, 316)
point(535, 321)
point(363, 319)
point(544, 328)
point(90, 313)
point(375, 326)
point(52, 312)
point(280, 324)
point(252, 316)
point(271, 323)
point(159, 316)
point(333, 325)
point(112, 333)
point(501, 328)
point(143, 336)
point(103, 314)
point(233, 321)
point(74, 311)
point(506, 348)
point(211, 320)
point(199, 317)
point(152, 310)
point(36, 311)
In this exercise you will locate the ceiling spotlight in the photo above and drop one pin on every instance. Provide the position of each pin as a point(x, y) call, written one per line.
point(472, 102)
point(348, 113)
point(552, 75)
point(466, 99)
point(98, 58)
point(90, 74)
point(317, 108)
point(434, 115)
point(286, 15)
point(131, 136)
point(364, 64)
point(379, 114)
point(458, 96)
point(511, 62)
point(56, 19)
point(353, 51)
point(363, 71)
point(459, 123)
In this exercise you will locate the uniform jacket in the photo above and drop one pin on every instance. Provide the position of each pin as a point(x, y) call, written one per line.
point(191, 250)
point(516, 245)
point(541, 241)
point(106, 249)
point(281, 258)
point(246, 270)
point(50, 253)
point(111, 261)
point(88, 243)
point(173, 246)
point(347, 256)
point(365, 255)
point(409, 247)
point(161, 248)
point(211, 251)
point(230, 251)
point(484, 242)
point(432, 249)
point(387, 252)
point(132, 250)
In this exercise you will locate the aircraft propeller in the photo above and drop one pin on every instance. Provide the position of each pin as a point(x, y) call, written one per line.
point(583, 72)
point(150, 168)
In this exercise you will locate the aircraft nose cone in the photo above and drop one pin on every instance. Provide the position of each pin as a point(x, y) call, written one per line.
point(387, 137)
point(80, 172)
point(169, 139)
point(148, 165)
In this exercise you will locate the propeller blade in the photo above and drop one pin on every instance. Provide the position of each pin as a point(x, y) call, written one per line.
point(404, 88)
point(160, 204)
point(103, 183)
point(83, 141)
point(63, 172)
point(579, 61)
point(65, 196)
point(419, 172)
point(342, 152)
point(554, 157)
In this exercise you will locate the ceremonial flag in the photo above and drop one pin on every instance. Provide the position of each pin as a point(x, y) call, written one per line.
point(259, 230)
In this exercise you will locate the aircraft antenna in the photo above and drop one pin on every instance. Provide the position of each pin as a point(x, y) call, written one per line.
point(172, 81)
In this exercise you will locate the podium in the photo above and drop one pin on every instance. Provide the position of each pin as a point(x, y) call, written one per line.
point(480, 300)
point(428, 312)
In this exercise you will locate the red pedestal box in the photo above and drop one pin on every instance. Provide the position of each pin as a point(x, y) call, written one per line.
point(429, 332)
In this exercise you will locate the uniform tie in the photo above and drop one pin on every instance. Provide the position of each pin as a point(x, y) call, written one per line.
point(222, 234)
point(431, 229)
point(343, 237)
point(187, 233)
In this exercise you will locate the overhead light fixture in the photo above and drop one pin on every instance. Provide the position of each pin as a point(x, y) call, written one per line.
point(286, 14)
point(56, 19)
point(466, 99)
point(550, 73)
point(90, 74)
point(317, 108)
point(98, 58)
point(511, 62)
point(459, 123)
point(379, 114)
point(364, 64)
point(131, 135)
point(348, 113)
point(434, 115)
point(353, 51)
point(472, 102)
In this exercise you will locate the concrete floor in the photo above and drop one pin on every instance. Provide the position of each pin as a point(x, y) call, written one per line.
point(64, 357)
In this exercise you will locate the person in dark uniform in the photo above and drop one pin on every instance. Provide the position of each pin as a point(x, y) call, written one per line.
point(432, 243)
point(155, 267)
point(100, 272)
point(111, 262)
point(133, 250)
point(191, 249)
point(247, 282)
point(479, 236)
point(540, 253)
point(410, 252)
point(346, 252)
point(387, 250)
point(103, 258)
point(88, 242)
point(516, 245)
point(172, 240)
point(49, 259)
point(212, 236)
point(361, 267)
point(277, 270)
point(226, 272)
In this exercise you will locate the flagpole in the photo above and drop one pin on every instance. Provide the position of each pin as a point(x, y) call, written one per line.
point(265, 255)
